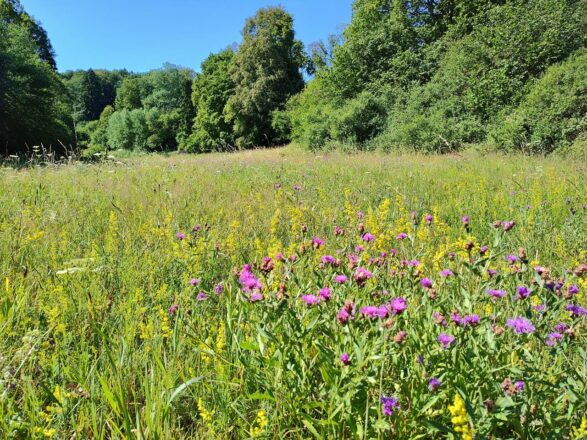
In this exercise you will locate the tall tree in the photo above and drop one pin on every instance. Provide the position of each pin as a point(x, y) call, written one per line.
point(266, 71)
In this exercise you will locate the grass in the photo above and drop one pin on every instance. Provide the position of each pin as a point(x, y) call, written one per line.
point(114, 326)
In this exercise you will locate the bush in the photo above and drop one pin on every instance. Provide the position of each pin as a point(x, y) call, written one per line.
point(552, 115)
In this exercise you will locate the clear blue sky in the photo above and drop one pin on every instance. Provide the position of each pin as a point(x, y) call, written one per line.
point(143, 34)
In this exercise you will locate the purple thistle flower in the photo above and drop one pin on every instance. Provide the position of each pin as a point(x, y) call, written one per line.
point(519, 385)
point(426, 283)
point(561, 327)
point(345, 359)
point(317, 242)
point(483, 250)
point(523, 292)
point(194, 281)
point(218, 289)
point(346, 314)
point(325, 293)
point(310, 300)
point(368, 237)
point(360, 215)
point(340, 279)
point(491, 272)
point(173, 309)
point(521, 325)
point(434, 383)
point(553, 338)
point(576, 310)
point(180, 236)
point(202, 296)
point(446, 273)
point(256, 296)
point(374, 312)
point(573, 290)
point(398, 305)
point(297, 187)
point(496, 293)
point(445, 340)
point(328, 259)
point(512, 258)
point(508, 225)
point(471, 320)
point(429, 218)
point(465, 220)
point(389, 405)
point(361, 275)
point(359, 248)
point(401, 236)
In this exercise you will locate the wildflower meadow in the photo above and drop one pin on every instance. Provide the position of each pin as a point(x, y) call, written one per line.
point(282, 294)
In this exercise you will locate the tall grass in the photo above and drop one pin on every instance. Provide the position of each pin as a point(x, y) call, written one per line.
point(115, 325)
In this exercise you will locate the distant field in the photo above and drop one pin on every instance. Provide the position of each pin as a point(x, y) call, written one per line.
point(282, 294)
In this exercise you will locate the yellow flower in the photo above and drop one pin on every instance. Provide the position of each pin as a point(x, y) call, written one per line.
point(581, 431)
point(259, 424)
point(460, 419)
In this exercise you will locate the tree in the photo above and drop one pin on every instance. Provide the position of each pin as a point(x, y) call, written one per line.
point(33, 106)
point(211, 89)
point(266, 71)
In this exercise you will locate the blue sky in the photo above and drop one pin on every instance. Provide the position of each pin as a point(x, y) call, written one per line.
point(143, 34)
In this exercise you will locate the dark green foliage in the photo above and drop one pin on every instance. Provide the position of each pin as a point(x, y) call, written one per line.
point(442, 71)
point(266, 71)
point(32, 98)
point(552, 115)
point(212, 130)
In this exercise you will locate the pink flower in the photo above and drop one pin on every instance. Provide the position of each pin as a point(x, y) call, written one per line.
point(340, 279)
point(310, 300)
point(401, 236)
point(368, 237)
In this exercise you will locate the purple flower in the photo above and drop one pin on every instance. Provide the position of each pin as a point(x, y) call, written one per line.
point(173, 308)
point(523, 292)
point(361, 276)
point(561, 327)
point(375, 312)
point(218, 289)
point(202, 296)
point(346, 314)
point(310, 300)
point(317, 242)
point(465, 220)
point(429, 218)
point(297, 187)
point(401, 236)
point(325, 293)
point(507, 225)
point(345, 359)
point(426, 282)
point(256, 296)
point(573, 290)
point(359, 248)
point(180, 236)
point(398, 305)
point(368, 237)
point(446, 273)
point(553, 338)
point(512, 258)
point(491, 272)
point(445, 339)
point(521, 325)
point(340, 279)
point(248, 281)
point(389, 405)
point(519, 385)
point(496, 293)
point(434, 383)
point(576, 310)
point(483, 250)
point(328, 259)
point(360, 215)
point(471, 320)
point(194, 281)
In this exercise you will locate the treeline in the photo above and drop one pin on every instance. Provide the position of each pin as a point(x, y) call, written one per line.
point(427, 75)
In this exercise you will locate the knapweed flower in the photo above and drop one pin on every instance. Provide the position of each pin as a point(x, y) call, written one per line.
point(345, 359)
point(347, 313)
point(201, 296)
point(338, 230)
point(491, 272)
point(310, 300)
point(561, 327)
point(511, 388)
point(429, 218)
point(400, 337)
point(439, 319)
point(317, 242)
point(446, 273)
point(434, 383)
point(389, 405)
point(553, 338)
point(398, 305)
point(173, 309)
point(426, 283)
point(508, 225)
point(247, 279)
point(512, 259)
point(325, 293)
point(576, 310)
point(267, 265)
point(521, 325)
point(375, 312)
point(328, 259)
point(445, 339)
point(180, 236)
point(401, 236)
point(496, 293)
point(465, 220)
point(340, 279)
point(523, 292)
point(196, 228)
point(360, 215)
point(470, 320)
point(194, 281)
point(297, 187)
point(218, 289)
point(368, 237)
point(361, 276)
point(573, 290)
point(483, 250)
point(256, 296)
point(359, 248)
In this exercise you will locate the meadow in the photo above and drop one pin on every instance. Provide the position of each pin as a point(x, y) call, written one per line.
point(284, 294)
